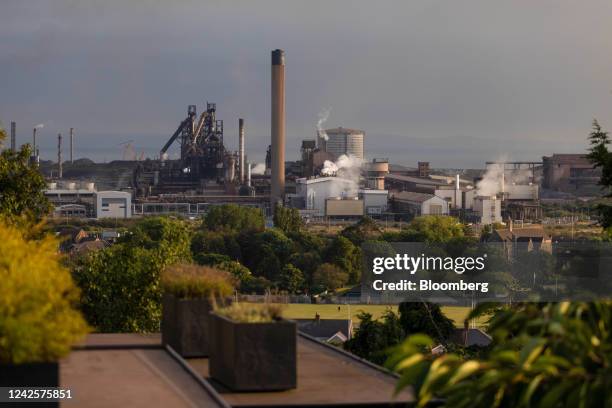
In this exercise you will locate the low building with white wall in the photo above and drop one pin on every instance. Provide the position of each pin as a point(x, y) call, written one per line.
point(488, 209)
point(375, 202)
point(418, 204)
point(315, 191)
point(113, 204)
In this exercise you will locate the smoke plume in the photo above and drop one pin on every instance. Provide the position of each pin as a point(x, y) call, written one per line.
point(348, 171)
point(39, 126)
point(323, 116)
point(258, 168)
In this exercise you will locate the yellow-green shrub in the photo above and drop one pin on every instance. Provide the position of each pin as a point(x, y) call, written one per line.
point(38, 319)
point(195, 281)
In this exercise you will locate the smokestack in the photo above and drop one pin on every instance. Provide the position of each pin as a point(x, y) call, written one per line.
point(13, 136)
point(34, 141)
point(71, 145)
point(241, 149)
point(278, 127)
point(59, 155)
point(248, 175)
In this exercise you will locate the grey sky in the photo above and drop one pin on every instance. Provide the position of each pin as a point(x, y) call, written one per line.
point(453, 82)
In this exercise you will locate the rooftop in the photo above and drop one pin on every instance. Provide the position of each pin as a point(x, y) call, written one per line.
point(416, 180)
point(412, 197)
point(135, 370)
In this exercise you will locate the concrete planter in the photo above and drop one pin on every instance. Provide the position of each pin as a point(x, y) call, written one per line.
point(253, 356)
point(186, 325)
point(31, 375)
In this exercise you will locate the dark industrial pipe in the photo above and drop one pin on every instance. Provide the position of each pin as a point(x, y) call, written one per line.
point(13, 136)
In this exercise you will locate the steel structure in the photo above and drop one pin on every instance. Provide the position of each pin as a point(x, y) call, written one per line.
point(201, 144)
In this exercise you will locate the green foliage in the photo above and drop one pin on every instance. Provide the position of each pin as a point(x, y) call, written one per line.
point(329, 277)
point(432, 228)
point(601, 157)
point(234, 217)
point(21, 185)
point(188, 281)
point(543, 355)
point(169, 237)
point(120, 289)
point(120, 285)
point(251, 313)
point(287, 219)
point(38, 317)
point(346, 256)
point(264, 253)
point(373, 338)
point(218, 242)
point(291, 279)
point(426, 318)
point(365, 229)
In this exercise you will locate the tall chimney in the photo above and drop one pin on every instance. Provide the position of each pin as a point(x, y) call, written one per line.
point(71, 145)
point(278, 127)
point(59, 155)
point(241, 149)
point(34, 141)
point(248, 175)
point(13, 136)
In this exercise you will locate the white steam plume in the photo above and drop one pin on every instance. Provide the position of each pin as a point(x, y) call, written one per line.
point(323, 116)
point(258, 168)
point(348, 171)
point(39, 126)
point(491, 182)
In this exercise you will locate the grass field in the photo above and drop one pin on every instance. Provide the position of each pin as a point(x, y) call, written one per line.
point(308, 311)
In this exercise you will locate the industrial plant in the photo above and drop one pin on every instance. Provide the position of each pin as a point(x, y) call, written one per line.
point(332, 178)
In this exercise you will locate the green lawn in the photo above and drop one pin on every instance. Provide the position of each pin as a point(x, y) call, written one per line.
point(306, 311)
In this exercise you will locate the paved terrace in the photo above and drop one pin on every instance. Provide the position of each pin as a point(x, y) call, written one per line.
point(131, 370)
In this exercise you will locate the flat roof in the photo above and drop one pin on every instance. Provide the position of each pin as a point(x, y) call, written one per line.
point(135, 370)
point(129, 370)
point(326, 376)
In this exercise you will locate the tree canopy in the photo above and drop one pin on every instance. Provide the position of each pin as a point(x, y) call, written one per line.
point(21, 185)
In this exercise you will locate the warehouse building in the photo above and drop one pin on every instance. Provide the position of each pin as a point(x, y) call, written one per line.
point(417, 204)
point(113, 204)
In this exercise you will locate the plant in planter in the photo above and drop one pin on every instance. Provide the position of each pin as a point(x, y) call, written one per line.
point(38, 318)
point(253, 348)
point(189, 294)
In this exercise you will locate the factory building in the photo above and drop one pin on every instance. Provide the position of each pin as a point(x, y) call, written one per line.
point(570, 173)
point(315, 194)
point(417, 204)
point(112, 204)
point(399, 182)
point(488, 209)
point(341, 141)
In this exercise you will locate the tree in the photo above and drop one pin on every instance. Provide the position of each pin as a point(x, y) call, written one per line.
point(120, 285)
point(120, 289)
point(172, 238)
point(601, 157)
point(287, 219)
point(365, 229)
point(373, 338)
point(542, 355)
point(346, 256)
point(432, 228)
point(21, 185)
point(426, 318)
point(329, 277)
point(234, 217)
point(291, 279)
